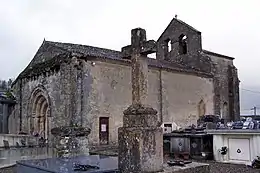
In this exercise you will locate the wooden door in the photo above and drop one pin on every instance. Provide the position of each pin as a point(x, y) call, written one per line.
point(103, 130)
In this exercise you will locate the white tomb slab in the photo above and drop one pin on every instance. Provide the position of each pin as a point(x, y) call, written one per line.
point(242, 145)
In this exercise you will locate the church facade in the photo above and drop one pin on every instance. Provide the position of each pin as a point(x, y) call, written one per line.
point(89, 86)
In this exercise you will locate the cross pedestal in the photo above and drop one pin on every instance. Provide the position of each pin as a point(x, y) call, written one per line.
point(140, 139)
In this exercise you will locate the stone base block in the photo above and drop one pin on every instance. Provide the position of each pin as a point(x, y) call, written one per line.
point(140, 149)
point(71, 140)
point(140, 120)
point(139, 115)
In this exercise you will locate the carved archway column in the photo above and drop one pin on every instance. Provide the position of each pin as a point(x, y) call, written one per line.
point(39, 111)
point(43, 119)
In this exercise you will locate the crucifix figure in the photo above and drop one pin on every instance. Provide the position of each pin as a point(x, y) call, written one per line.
point(138, 51)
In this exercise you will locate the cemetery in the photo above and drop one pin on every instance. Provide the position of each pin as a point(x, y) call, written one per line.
point(215, 141)
point(140, 139)
point(145, 145)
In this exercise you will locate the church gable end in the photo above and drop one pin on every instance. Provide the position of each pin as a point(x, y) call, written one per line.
point(181, 43)
point(46, 52)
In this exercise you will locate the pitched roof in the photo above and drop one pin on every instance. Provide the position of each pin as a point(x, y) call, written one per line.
point(86, 50)
point(97, 52)
point(49, 51)
point(183, 23)
point(217, 54)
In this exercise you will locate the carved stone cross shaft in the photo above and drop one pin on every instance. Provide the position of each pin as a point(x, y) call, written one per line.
point(138, 51)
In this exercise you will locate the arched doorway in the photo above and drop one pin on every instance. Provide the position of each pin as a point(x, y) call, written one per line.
point(39, 113)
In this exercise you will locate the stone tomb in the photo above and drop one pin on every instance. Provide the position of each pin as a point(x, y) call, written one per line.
point(236, 146)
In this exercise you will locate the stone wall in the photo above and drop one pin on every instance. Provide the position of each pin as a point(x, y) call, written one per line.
point(87, 90)
point(223, 103)
point(108, 93)
point(109, 87)
point(14, 140)
point(8, 157)
point(226, 83)
point(182, 95)
point(169, 46)
point(50, 84)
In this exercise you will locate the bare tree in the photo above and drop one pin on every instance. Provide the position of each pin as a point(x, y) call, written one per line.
point(9, 83)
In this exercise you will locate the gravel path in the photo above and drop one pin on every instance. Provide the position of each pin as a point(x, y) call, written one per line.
point(214, 168)
point(230, 168)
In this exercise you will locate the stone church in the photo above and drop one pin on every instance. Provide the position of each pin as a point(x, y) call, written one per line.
point(70, 83)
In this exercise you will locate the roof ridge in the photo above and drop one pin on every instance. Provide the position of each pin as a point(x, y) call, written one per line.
point(217, 54)
point(54, 43)
point(184, 23)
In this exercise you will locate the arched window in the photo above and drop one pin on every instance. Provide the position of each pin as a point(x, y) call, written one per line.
point(201, 108)
point(168, 45)
point(225, 110)
point(182, 44)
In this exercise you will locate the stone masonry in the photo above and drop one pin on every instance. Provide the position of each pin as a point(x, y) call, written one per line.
point(140, 138)
point(91, 83)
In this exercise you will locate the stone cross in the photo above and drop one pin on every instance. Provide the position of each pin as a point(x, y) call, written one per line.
point(138, 51)
point(140, 139)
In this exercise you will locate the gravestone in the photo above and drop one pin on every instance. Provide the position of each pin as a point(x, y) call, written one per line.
point(140, 139)
point(23, 142)
point(6, 144)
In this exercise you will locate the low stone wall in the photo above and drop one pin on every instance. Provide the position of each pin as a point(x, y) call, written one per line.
point(9, 169)
point(8, 157)
point(14, 140)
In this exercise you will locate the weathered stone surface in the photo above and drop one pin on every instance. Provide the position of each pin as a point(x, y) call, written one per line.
point(147, 47)
point(140, 149)
point(140, 120)
point(70, 131)
point(102, 84)
point(140, 48)
point(139, 79)
point(71, 140)
point(226, 84)
point(168, 46)
point(140, 140)
point(140, 116)
point(137, 109)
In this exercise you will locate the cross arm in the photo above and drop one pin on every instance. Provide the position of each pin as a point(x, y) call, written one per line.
point(127, 51)
point(147, 47)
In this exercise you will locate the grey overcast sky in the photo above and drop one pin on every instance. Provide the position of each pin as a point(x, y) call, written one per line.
point(228, 27)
